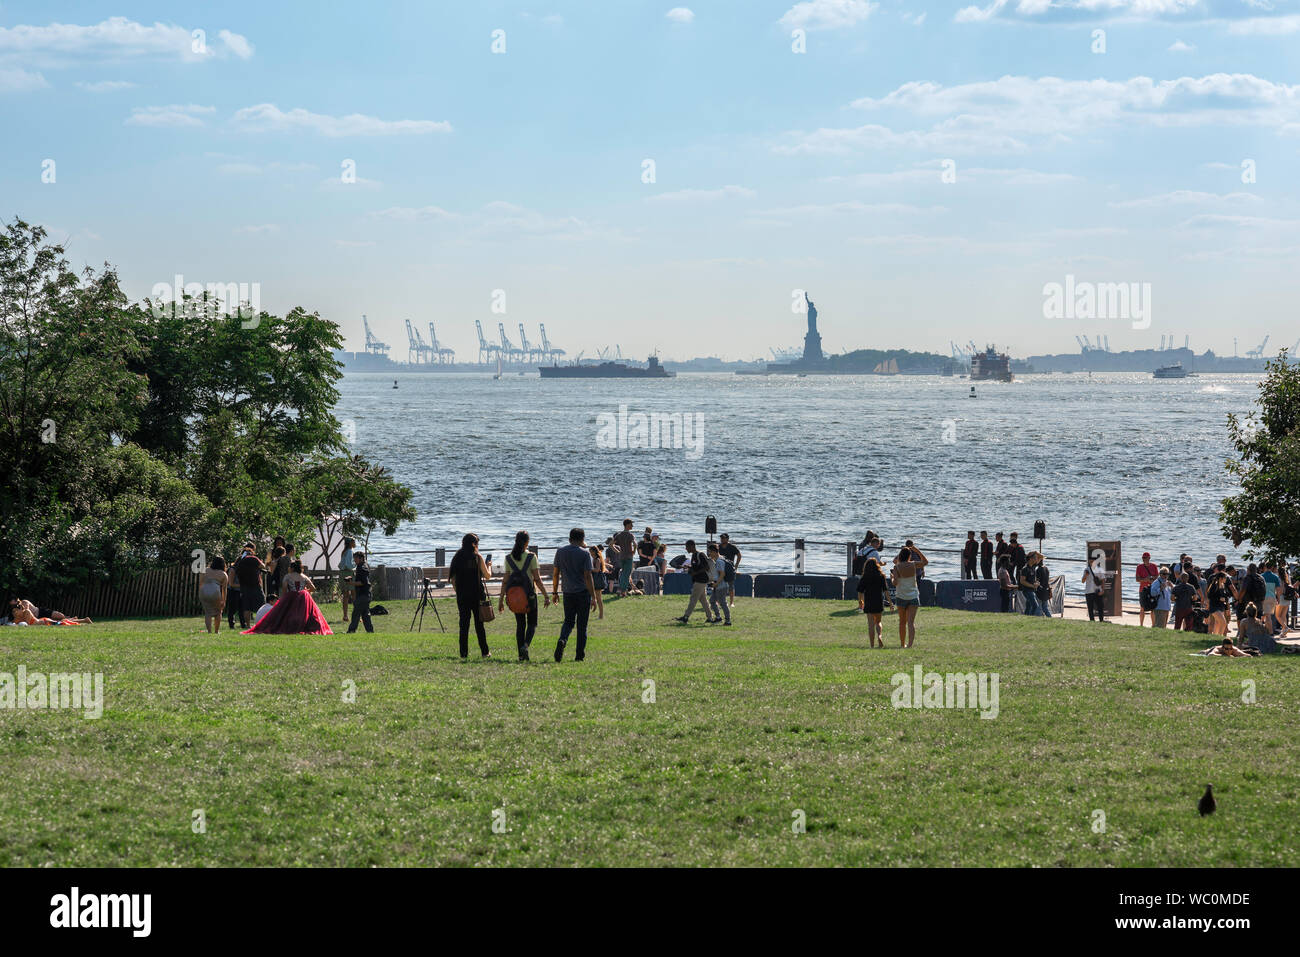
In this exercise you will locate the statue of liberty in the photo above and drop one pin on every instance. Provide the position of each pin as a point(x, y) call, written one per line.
point(812, 342)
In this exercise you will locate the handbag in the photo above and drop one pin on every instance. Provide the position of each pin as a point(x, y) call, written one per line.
point(485, 611)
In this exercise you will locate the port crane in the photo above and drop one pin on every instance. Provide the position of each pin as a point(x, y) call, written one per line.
point(416, 350)
point(443, 353)
point(530, 351)
point(1258, 351)
point(548, 351)
point(373, 345)
point(486, 350)
point(508, 349)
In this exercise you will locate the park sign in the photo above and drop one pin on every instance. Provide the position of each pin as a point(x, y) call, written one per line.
point(1105, 557)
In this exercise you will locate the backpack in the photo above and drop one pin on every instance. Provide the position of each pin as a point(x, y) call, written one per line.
point(1044, 589)
point(678, 561)
point(728, 570)
point(519, 587)
point(699, 568)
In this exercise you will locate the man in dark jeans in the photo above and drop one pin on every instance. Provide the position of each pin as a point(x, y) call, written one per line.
point(573, 571)
point(361, 597)
point(969, 552)
point(249, 571)
point(986, 556)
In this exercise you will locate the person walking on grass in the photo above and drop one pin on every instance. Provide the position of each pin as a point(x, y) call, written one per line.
point(625, 541)
point(346, 567)
point(249, 571)
point(212, 593)
point(521, 572)
point(573, 573)
point(599, 578)
point(360, 593)
point(907, 594)
point(719, 570)
point(467, 573)
point(699, 570)
point(732, 554)
point(872, 587)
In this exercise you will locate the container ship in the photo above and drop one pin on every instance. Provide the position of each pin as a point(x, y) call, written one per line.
point(990, 366)
point(607, 370)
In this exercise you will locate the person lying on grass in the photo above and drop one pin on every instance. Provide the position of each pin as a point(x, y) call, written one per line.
point(21, 613)
point(1227, 650)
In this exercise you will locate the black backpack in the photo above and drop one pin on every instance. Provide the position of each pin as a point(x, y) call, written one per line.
point(699, 568)
point(728, 570)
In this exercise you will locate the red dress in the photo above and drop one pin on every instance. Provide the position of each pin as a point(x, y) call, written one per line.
point(296, 613)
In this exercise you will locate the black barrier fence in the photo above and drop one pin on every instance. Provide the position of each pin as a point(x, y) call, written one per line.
point(789, 558)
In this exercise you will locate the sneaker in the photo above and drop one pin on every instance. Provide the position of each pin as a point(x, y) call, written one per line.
point(726, 624)
point(681, 620)
point(559, 651)
point(580, 658)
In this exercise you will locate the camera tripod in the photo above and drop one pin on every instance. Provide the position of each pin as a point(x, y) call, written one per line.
point(425, 603)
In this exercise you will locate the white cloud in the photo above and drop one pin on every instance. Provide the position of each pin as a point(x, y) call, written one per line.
point(1178, 46)
point(702, 195)
point(1266, 26)
point(1074, 11)
point(1188, 197)
point(175, 116)
point(336, 182)
point(876, 137)
point(681, 15)
point(15, 80)
point(354, 243)
point(501, 221)
point(915, 19)
point(262, 230)
point(827, 14)
point(115, 38)
point(855, 206)
point(1052, 105)
point(267, 117)
point(106, 86)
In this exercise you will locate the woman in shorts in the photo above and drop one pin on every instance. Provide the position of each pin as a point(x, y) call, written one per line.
point(907, 594)
point(599, 577)
point(872, 585)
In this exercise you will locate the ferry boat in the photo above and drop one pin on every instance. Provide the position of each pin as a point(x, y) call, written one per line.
point(1175, 371)
point(990, 365)
point(607, 370)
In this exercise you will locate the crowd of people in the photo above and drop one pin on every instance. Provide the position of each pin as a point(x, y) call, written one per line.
point(1209, 600)
point(274, 593)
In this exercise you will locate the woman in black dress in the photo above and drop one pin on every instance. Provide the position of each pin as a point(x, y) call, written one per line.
point(468, 573)
point(872, 586)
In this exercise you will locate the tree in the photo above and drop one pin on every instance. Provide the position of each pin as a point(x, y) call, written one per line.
point(1266, 513)
point(350, 497)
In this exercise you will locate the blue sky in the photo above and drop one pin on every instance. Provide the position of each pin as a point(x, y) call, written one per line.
point(774, 170)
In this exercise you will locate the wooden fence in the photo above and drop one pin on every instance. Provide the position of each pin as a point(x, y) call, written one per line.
point(161, 592)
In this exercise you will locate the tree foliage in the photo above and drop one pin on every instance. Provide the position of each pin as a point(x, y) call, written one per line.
point(131, 434)
point(1266, 512)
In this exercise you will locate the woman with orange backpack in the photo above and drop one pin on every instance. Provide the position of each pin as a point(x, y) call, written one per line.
point(519, 587)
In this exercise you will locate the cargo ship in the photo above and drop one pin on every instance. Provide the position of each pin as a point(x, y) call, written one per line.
point(990, 366)
point(607, 370)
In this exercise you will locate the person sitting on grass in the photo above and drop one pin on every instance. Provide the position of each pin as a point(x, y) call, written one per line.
point(1253, 631)
point(1227, 649)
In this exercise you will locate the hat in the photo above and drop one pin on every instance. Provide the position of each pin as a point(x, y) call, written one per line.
point(1146, 556)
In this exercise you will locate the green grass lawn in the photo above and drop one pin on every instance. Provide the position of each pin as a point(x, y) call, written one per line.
point(788, 710)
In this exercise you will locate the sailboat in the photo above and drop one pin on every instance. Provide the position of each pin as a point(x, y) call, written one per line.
point(888, 367)
point(498, 375)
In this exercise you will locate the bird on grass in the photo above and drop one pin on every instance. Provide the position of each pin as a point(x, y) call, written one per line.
point(1206, 805)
